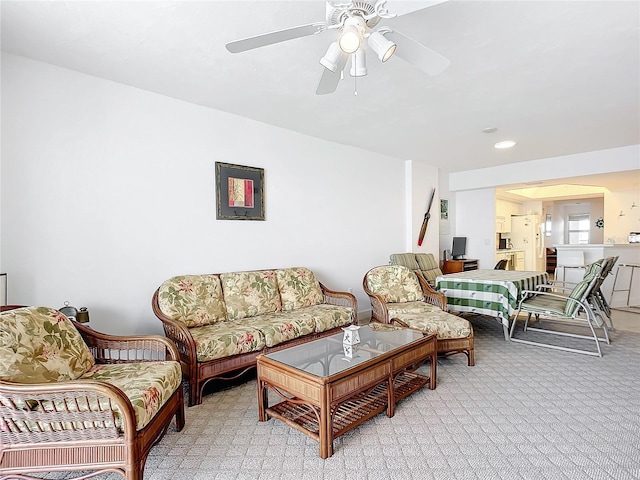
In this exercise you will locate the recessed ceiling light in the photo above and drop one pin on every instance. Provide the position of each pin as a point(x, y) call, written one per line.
point(505, 144)
point(489, 130)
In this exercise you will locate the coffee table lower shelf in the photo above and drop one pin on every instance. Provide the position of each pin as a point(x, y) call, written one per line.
point(352, 412)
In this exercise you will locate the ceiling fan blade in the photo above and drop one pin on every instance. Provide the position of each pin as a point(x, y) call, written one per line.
point(275, 37)
point(418, 54)
point(329, 80)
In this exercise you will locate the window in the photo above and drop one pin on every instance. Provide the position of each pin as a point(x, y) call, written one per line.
point(578, 231)
point(547, 225)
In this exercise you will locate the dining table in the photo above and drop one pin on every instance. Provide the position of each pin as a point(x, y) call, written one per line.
point(495, 293)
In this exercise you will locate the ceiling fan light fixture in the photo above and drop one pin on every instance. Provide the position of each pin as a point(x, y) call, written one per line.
point(331, 59)
point(383, 47)
point(358, 64)
point(351, 36)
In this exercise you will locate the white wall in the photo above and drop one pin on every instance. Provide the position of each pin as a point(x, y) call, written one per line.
point(420, 180)
point(108, 190)
point(620, 159)
point(617, 226)
point(447, 226)
point(474, 219)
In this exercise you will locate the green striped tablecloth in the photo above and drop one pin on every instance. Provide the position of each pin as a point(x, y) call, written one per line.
point(488, 292)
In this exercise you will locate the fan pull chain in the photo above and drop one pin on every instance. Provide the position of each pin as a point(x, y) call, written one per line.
point(355, 77)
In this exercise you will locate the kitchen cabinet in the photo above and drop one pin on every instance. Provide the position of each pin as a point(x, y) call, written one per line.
point(515, 258)
point(504, 210)
point(501, 224)
point(519, 260)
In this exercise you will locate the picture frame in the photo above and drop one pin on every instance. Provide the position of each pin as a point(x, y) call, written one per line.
point(239, 192)
point(444, 209)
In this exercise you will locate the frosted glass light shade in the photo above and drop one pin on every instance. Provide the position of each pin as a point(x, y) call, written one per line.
point(358, 64)
point(384, 48)
point(332, 57)
point(350, 39)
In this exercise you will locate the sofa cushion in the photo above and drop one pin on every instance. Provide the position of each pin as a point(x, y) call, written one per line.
point(194, 300)
point(428, 266)
point(405, 259)
point(280, 327)
point(247, 294)
point(394, 284)
point(41, 345)
point(327, 316)
point(412, 307)
point(298, 288)
point(148, 385)
point(429, 318)
point(225, 339)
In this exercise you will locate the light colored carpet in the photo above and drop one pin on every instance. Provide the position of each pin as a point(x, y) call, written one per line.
point(522, 412)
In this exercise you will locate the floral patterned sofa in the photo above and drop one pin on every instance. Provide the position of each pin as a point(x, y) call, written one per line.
point(403, 297)
point(222, 322)
point(74, 399)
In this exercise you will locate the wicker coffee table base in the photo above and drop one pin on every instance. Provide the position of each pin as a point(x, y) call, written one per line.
point(326, 408)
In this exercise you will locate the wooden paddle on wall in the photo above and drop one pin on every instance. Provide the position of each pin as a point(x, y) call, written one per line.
point(425, 222)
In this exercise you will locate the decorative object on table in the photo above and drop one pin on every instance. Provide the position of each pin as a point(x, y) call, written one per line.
point(600, 223)
point(83, 315)
point(349, 351)
point(69, 311)
point(351, 335)
point(239, 192)
point(427, 216)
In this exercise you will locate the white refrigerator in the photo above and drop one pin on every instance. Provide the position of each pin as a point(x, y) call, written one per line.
point(526, 235)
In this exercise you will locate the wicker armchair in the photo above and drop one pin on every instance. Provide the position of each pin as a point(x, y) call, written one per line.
point(403, 297)
point(73, 399)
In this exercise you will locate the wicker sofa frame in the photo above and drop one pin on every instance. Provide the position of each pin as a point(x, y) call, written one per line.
point(31, 440)
point(199, 374)
point(446, 346)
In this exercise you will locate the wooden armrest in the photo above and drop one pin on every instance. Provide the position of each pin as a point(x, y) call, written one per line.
point(133, 348)
point(341, 299)
point(397, 321)
point(432, 296)
point(379, 310)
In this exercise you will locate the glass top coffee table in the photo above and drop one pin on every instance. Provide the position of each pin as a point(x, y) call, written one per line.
point(327, 389)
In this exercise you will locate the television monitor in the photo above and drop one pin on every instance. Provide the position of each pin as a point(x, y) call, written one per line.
point(459, 249)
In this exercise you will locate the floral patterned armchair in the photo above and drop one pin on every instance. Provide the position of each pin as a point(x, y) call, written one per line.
point(73, 399)
point(403, 297)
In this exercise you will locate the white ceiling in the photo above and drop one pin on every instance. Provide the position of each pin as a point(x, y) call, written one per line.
point(557, 77)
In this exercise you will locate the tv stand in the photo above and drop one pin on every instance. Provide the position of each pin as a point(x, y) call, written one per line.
point(462, 265)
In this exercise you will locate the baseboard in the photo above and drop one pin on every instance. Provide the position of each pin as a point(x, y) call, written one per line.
point(364, 316)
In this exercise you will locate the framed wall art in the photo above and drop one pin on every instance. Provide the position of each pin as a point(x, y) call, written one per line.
point(239, 192)
point(444, 209)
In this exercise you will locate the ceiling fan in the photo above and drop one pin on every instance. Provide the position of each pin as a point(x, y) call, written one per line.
point(355, 23)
